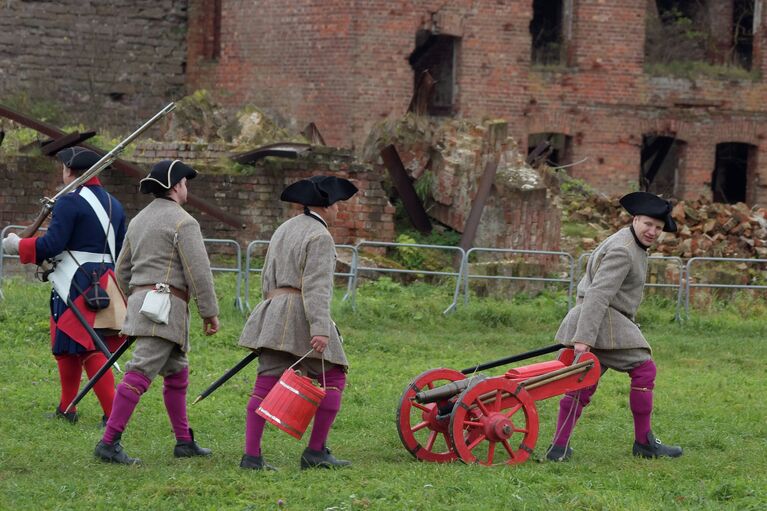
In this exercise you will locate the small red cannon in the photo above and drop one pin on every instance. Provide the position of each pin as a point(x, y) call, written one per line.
point(444, 415)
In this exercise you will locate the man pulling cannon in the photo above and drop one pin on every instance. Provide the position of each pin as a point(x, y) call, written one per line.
point(294, 317)
point(602, 322)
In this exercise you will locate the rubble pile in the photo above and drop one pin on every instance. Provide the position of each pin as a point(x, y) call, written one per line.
point(705, 228)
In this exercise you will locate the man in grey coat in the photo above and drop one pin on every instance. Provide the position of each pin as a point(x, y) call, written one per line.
point(602, 322)
point(164, 257)
point(294, 316)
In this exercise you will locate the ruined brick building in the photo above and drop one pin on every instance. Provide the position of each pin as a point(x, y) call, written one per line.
point(666, 95)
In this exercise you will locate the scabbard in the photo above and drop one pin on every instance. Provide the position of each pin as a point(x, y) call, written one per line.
point(94, 335)
point(96, 377)
point(226, 376)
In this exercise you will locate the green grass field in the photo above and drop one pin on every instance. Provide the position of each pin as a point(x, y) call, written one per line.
point(710, 399)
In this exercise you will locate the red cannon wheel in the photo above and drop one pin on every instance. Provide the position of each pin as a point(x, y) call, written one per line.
point(422, 432)
point(493, 423)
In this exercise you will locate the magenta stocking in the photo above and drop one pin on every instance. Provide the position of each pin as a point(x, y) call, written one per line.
point(570, 408)
point(129, 391)
point(254, 423)
point(174, 395)
point(640, 398)
point(335, 381)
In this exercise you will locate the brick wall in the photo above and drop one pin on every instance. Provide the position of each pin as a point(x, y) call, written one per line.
point(254, 198)
point(344, 66)
point(104, 63)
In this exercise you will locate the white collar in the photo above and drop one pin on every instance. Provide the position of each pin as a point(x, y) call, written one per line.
point(317, 215)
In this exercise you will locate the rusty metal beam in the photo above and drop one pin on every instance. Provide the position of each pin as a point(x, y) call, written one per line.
point(313, 135)
point(52, 146)
point(121, 165)
point(281, 149)
point(419, 103)
point(475, 215)
point(401, 180)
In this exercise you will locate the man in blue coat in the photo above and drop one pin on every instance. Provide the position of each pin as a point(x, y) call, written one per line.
point(83, 240)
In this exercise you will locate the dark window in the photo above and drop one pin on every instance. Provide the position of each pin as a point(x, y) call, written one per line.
point(743, 33)
point(211, 44)
point(733, 167)
point(548, 32)
point(437, 55)
point(555, 148)
point(661, 159)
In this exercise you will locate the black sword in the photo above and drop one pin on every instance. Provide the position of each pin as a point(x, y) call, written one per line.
point(231, 372)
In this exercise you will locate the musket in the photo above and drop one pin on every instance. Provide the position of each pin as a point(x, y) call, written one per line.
point(231, 372)
point(97, 167)
point(96, 377)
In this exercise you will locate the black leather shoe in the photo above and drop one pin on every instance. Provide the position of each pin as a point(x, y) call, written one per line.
point(558, 453)
point(321, 459)
point(70, 417)
point(255, 463)
point(655, 449)
point(114, 453)
point(190, 448)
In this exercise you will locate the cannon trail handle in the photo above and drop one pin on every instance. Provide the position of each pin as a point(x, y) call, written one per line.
point(513, 358)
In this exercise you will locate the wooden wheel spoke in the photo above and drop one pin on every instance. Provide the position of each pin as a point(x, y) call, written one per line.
point(419, 426)
point(520, 430)
point(511, 411)
point(448, 443)
point(472, 424)
point(490, 453)
point(498, 400)
point(482, 407)
point(509, 449)
point(476, 442)
point(421, 407)
point(431, 440)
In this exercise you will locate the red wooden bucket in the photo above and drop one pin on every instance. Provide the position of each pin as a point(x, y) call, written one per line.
point(291, 403)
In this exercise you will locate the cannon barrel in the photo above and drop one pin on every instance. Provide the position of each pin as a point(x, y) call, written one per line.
point(447, 391)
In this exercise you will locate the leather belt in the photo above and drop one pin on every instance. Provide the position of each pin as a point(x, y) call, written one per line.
point(282, 291)
point(173, 290)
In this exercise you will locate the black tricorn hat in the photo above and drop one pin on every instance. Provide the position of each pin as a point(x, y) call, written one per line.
point(648, 204)
point(164, 175)
point(319, 191)
point(77, 158)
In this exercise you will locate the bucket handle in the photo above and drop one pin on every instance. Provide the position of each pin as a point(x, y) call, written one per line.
point(323, 364)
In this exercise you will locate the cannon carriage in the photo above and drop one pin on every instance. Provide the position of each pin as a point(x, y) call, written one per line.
point(445, 415)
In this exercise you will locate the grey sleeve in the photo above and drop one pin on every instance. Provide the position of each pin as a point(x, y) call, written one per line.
point(317, 284)
point(124, 267)
point(196, 265)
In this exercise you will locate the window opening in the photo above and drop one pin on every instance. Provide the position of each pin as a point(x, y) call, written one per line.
point(661, 159)
point(731, 171)
point(436, 54)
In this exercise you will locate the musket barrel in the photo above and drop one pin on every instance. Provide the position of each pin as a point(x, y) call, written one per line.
point(112, 155)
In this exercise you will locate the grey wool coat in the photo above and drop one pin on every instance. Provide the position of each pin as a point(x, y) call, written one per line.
point(608, 297)
point(164, 244)
point(302, 256)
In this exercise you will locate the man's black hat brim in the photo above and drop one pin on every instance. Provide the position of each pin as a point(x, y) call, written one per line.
point(164, 176)
point(648, 204)
point(319, 191)
point(77, 158)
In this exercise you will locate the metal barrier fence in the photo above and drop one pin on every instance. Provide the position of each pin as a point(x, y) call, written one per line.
point(457, 274)
point(680, 285)
point(237, 269)
point(351, 275)
point(569, 280)
point(684, 285)
point(690, 284)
